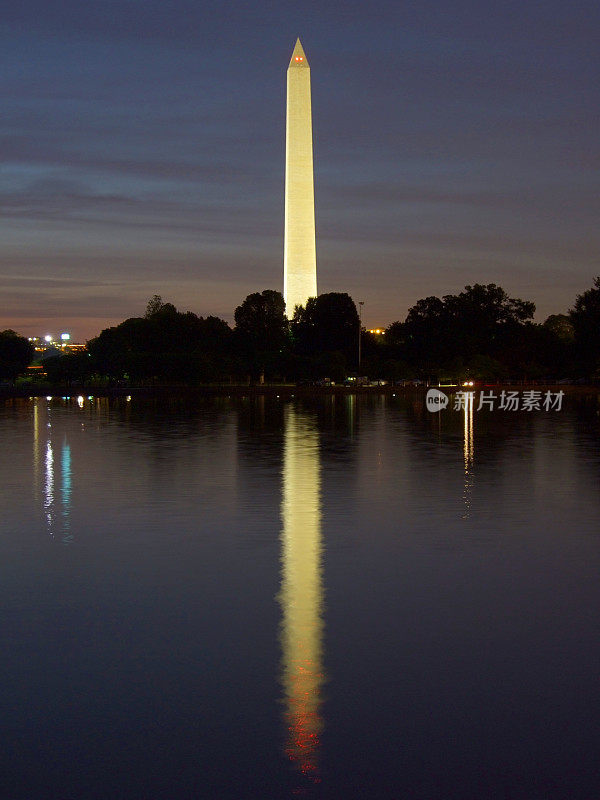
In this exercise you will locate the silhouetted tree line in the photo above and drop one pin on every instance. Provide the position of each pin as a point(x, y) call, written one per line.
point(480, 333)
point(16, 354)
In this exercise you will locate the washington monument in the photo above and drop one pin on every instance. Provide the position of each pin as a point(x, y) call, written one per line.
point(299, 252)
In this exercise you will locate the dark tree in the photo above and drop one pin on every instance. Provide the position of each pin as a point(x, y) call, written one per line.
point(154, 306)
point(482, 316)
point(69, 368)
point(585, 316)
point(468, 333)
point(122, 351)
point(425, 335)
point(561, 326)
point(166, 345)
point(395, 335)
point(261, 334)
point(328, 323)
point(490, 305)
point(16, 354)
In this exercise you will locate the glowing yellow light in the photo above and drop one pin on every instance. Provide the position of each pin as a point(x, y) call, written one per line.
point(300, 271)
point(469, 453)
point(301, 594)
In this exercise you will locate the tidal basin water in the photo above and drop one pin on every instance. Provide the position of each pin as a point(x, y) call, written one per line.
point(336, 597)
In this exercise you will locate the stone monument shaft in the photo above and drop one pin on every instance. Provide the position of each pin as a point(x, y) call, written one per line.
point(299, 255)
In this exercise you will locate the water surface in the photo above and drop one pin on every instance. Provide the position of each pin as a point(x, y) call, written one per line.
point(267, 598)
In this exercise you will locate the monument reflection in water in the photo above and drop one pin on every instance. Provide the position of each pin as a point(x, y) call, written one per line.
point(301, 594)
point(468, 453)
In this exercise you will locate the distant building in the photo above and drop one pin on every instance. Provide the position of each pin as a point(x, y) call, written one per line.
point(50, 344)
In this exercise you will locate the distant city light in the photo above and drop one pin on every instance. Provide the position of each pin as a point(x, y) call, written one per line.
point(47, 338)
point(65, 337)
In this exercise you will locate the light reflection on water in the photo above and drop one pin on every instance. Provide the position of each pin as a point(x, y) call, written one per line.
point(57, 477)
point(49, 487)
point(66, 491)
point(301, 594)
point(453, 558)
point(469, 452)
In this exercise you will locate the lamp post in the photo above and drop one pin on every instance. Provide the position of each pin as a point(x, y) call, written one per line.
point(360, 305)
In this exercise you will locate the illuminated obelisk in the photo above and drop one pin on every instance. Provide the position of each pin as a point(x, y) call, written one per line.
point(299, 250)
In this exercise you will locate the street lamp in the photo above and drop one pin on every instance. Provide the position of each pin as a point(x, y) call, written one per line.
point(360, 305)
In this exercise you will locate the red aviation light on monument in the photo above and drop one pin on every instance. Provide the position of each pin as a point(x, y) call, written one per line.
point(298, 58)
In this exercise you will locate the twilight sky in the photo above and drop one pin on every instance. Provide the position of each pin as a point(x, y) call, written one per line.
point(142, 152)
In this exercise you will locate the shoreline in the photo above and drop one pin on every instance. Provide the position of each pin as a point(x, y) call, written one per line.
point(287, 390)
